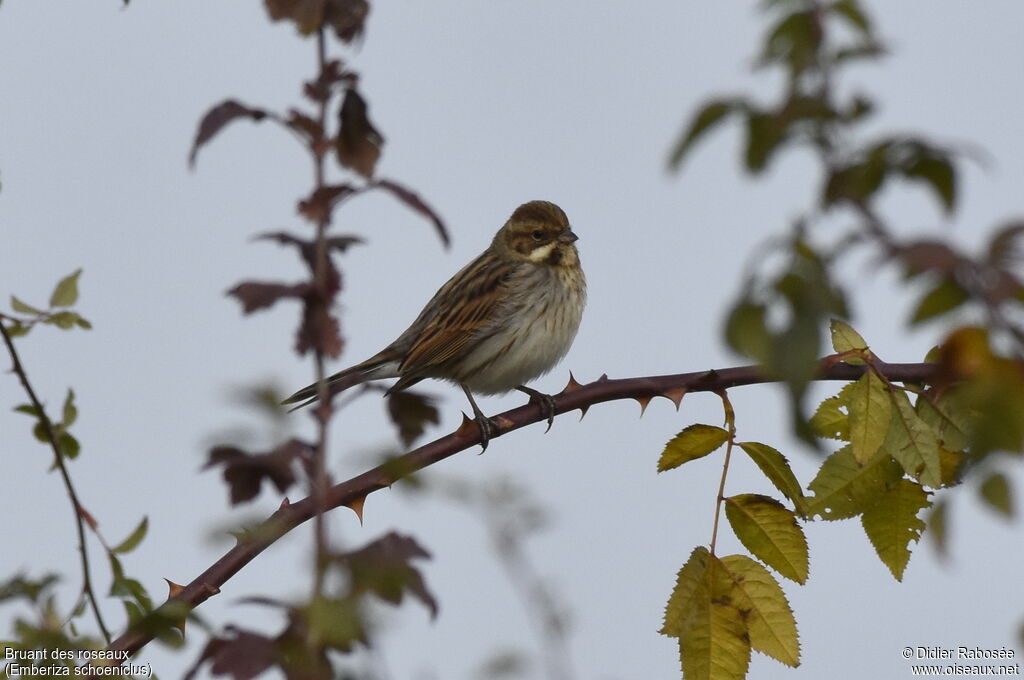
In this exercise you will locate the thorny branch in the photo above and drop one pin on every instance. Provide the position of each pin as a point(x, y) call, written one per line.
point(575, 396)
point(58, 456)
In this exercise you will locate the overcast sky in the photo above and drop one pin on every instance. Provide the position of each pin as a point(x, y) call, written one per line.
point(484, 105)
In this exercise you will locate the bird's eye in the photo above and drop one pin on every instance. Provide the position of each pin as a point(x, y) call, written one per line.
point(537, 234)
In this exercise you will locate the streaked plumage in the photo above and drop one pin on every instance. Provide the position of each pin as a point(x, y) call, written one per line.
point(506, 318)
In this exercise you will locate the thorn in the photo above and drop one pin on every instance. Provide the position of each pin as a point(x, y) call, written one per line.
point(284, 503)
point(356, 506)
point(603, 378)
point(210, 591)
point(675, 395)
point(572, 385)
point(466, 427)
point(583, 410)
point(173, 588)
point(643, 401)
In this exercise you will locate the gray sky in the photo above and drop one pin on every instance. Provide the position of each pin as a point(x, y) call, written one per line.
point(484, 105)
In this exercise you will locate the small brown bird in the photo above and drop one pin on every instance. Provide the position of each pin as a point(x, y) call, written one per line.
point(506, 318)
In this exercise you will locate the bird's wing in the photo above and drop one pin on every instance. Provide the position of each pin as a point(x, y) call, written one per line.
point(460, 315)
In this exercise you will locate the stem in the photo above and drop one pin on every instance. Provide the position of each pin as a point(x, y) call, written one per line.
point(323, 409)
point(730, 425)
point(76, 506)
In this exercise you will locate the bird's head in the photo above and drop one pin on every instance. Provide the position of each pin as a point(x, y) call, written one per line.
point(538, 232)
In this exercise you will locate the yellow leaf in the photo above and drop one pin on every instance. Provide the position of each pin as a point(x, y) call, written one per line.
point(892, 523)
point(913, 443)
point(769, 618)
point(870, 409)
point(715, 644)
point(681, 602)
point(776, 468)
point(770, 531)
point(844, 488)
point(845, 339)
point(696, 441)
point(829, 421)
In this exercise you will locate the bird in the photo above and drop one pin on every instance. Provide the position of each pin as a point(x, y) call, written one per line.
point(505, 319)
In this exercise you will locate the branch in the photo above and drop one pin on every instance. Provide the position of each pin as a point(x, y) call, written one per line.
point(58, 455)
point(575, 396)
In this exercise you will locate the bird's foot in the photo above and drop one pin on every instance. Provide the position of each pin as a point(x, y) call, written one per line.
point(545, 401)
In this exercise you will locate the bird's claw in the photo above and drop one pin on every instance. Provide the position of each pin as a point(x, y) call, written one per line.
point(546, 403)
point(487, 430)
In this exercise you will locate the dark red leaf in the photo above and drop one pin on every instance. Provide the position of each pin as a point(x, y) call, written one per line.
point(416, 203)
point(384, 568)
point(310, 129)
point(411, 412)
point(243, 656)
point(347, 18)
point(216, 118)
point(307, 248)
point(245, 472)
point(332, 74)
point(319, 331)
point(358, 143)
point(1005, 246)
point(318, 206)
point(256, 295)
point(934, 256)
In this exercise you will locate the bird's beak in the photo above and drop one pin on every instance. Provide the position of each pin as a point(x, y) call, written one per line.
point(568, 236)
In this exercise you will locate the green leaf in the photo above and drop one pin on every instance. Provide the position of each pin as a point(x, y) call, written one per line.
point(845, 339)
point(946, 296)
point(947, 416)
point(831, 422)
point(69, 446)
point(764, 135)
point(19, 306)
point(681, 602)
point(776, 468)
point(715, 644)
point(66, 292)
point(995, 491)
point(770, 531)
point(937, 171)
point(70, 412)
point(938, 528)
point(870, 408)
point(695, 441)
point(707, 118)
point(844, 488)
point(83, 323)
point(16, 329)
point(851, 11)
point(27, 409)
point(913, 443)
point(134, 539)
point(746, 330)
point(892, 523)
point(762, 602)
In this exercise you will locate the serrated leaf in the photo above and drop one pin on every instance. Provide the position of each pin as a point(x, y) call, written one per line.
point(892, 523)
point(844, 488)
point(695, 441)
point(913, 443)
point(870, 408)
point(947, 417)
point(831, 422)
point(760, 599)
point(66, 292)
point(715, 644)
point(946, 296)
point(70, 412)
point(845, 339)
point(19, 306)
point(706, 119)
point(134, 538)
point(770, 531)
point(995, 491)
point(776, 468)
point(681, 602)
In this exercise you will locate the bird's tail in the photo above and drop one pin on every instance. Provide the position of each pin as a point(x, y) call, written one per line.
point(375, 368)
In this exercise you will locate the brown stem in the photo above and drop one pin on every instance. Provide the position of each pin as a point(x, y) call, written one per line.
point(76, 506)
point(353, 491)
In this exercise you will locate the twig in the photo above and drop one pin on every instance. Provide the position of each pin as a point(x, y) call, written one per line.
point(351, 492)
point(76, 506)
point(730, 425)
